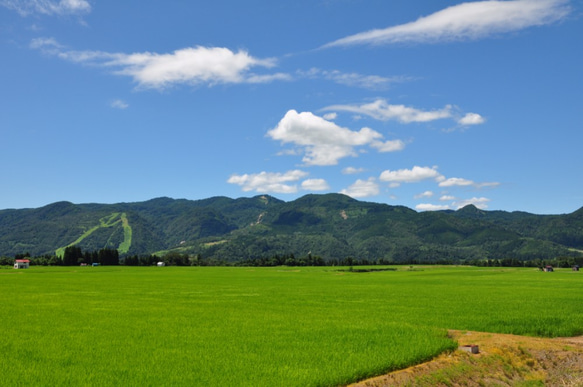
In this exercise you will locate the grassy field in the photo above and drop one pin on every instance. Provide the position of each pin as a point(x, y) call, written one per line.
point(209, 326)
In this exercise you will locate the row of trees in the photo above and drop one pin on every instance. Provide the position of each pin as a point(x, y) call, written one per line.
point(74, 256)
point(170, 259)
point(564, 262)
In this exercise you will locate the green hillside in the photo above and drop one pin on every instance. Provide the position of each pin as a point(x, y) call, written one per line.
point(331, 226)
point(111, 222)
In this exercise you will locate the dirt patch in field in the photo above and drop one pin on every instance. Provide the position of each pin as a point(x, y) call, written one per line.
point(503, 360)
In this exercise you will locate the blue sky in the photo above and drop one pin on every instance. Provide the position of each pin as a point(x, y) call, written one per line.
point(429, 104)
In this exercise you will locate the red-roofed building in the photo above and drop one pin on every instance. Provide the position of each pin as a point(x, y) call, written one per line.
point(21, 264)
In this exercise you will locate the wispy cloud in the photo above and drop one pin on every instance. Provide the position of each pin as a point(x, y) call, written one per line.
point(466, 21)
point(426, 194)
point(456, 182)
point(371, 82)
point(190, 66)
point(119, 104)
point(383, 111)
point(362, 188)
point(324, 142)
point(48, 7)
point(417, 174)
point(269, 182)
point(461, 182)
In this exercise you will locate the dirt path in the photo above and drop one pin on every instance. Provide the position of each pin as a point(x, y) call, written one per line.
point(503, 360)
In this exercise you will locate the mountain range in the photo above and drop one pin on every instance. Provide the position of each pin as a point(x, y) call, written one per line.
point(331, 226)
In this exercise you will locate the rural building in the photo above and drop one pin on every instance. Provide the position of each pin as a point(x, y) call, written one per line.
point(21, 264)
point(160, 264)
point(548, 269)
point(576, 268)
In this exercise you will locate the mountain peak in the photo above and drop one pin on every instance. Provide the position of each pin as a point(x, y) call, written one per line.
point(471, 210)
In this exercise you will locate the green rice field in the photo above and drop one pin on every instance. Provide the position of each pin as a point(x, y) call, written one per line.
point(237, 326)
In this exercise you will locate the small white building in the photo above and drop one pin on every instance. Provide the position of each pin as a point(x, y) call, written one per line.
point(21, 264)
point(161, 264)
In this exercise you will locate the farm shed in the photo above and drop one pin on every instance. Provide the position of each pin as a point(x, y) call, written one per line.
point(160, 264)
point(21, 264)
point(548, 269)
point(576, 268)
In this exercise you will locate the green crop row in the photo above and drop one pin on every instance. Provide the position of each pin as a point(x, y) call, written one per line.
point(234, 326)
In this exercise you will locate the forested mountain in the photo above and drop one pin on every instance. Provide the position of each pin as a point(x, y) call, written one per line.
point(331, 226)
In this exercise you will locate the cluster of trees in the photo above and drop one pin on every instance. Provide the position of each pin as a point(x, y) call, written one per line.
point(74, 256)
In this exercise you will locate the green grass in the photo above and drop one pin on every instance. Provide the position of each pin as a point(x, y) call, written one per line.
point(259, 326)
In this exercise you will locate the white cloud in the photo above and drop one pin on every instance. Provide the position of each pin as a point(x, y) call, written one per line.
point(330, 116)
point(426, 194)
point(460, 182)
point(396, 177)
point(383, 111)
point(371, 82)
point(49, 45)
point(268, 182)
point(471, 119)
point(481, 203)
point(362, 188)
point(290, 152)
point(324, 142)
point(414, 175)
point(315, 185)
point(431, 207)
point(456, 182)
point(352, 170)
point(267, 78)
point(47, 7)
point(192, 65)
point(388, 146)
point(466, 21)
point(487, 185)
point(119, 104)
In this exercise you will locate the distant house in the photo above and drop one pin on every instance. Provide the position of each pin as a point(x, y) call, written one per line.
point(576, 268)
point(21, 264)
point(548, 268)
point(160, 264)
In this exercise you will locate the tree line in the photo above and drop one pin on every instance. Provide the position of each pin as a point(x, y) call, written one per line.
point(74, 256)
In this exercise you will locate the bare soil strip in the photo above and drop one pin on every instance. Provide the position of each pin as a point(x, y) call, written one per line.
point(503, 360)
